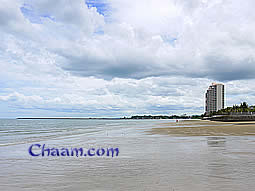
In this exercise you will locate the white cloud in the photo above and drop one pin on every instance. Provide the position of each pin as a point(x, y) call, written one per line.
point(69, 13)
point(12, 20)
point(146, 56)
point(198, 35)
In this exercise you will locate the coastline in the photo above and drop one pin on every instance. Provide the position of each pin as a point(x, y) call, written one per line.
point(232, 118)
point(186, 128)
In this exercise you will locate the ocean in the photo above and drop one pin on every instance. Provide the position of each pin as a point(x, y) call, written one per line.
point(146, 160)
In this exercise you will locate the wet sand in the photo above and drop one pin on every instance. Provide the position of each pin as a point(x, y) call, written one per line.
point(205, 128)
point(146, 161)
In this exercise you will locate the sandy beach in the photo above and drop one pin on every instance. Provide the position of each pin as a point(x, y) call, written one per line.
point(205, 128)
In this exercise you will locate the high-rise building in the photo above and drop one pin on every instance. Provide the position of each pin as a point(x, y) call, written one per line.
point(214, 98)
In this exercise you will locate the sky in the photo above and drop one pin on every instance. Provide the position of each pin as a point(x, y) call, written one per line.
point(115, 58)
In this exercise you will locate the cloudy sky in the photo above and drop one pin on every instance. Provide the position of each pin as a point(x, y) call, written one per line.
point(115, 58)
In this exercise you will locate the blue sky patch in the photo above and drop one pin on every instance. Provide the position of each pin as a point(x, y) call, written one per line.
point(169, 39)
point(102, 7)
point(32, 16)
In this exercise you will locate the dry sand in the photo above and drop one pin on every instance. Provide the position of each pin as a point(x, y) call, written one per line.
point(205, 128)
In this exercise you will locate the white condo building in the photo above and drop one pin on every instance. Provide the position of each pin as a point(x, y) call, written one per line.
point(214, 98)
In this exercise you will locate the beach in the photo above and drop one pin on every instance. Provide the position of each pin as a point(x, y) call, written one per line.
point(205, 128)
point(153, 155)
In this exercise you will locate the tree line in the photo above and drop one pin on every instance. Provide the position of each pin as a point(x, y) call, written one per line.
point(235, 109)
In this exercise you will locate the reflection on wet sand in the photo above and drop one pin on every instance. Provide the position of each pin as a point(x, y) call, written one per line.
point(216, 141)
point(205, 128)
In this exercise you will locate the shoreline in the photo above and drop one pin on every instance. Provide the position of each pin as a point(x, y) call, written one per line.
point(231, 118)
point(188, 128)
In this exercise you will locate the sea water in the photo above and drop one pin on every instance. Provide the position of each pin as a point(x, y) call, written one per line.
point(145, 162)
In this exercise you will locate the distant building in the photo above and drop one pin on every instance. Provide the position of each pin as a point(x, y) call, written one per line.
point(214, 98)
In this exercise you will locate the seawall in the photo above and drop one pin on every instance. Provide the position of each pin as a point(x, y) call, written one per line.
point(229, 118)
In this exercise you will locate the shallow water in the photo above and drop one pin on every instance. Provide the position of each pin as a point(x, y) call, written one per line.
point(146, 161)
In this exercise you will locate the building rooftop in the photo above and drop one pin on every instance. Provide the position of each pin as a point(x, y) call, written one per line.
point(216, 84)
